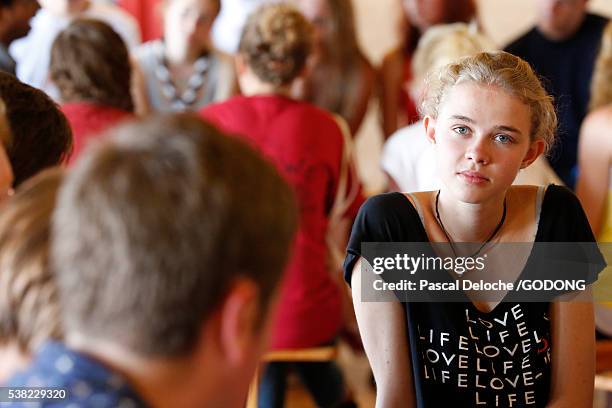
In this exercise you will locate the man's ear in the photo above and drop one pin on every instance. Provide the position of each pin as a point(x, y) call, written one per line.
point(535, 150)
point(238, 320)
point(430, 128)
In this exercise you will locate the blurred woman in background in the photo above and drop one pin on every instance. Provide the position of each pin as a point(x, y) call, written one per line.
point(594, 184)
point(90, 66)
point(340, 78)
point(397, 107)
point(183, 72)
point(595, 146)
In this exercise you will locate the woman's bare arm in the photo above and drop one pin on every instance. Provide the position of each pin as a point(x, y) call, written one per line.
point(139, 90)
point(383, 331)
point(357, 102)
point(573, 354)
point(594, 160)
point(390, 82)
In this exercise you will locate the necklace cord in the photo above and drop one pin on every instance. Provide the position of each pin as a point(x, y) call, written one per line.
point(450, 240)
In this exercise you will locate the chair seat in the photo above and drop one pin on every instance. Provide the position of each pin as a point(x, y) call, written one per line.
point(324, 353)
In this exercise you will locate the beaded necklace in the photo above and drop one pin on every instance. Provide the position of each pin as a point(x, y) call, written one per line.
point(185, 100)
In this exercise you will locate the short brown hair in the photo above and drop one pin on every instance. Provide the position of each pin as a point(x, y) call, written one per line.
point(155, 222)
point(90, 62)
point(29, 307)
point(276, 41)
point(41, 133)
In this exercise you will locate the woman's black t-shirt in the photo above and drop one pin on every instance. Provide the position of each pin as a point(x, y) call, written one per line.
point(463, 357)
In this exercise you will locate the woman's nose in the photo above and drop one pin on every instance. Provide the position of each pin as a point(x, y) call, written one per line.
point(478, 152)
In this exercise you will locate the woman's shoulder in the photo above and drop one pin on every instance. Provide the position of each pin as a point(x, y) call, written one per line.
point(394, 58)
point(308, 108)
point(315, 121)
point(389, 208)
point(387, 217)
point(221, 59)
point(552, 194)
point(559, 197)
point(554, 203)
point(562, 217)
point(148, 52)
point(595, 125)
point(232, 110)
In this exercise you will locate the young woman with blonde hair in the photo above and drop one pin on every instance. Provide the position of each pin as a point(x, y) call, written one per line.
point(488, 116)
point(408, 159)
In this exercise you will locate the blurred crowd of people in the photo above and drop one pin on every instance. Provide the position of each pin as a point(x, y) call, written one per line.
point(179, 186)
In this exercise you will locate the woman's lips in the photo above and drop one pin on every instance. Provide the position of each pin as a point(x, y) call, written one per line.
point(473, 177)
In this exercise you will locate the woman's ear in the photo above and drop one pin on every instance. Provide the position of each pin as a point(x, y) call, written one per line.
point(535, 150)
point(430, 128)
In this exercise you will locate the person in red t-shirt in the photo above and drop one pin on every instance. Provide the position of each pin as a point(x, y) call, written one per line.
point(91, 67)
point(306, 144)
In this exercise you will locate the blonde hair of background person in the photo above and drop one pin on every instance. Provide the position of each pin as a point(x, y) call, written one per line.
point(595, 145)
point(440, 45)
point(394, 74)
point(488, 116)
point(29, 304)
point(408, 159)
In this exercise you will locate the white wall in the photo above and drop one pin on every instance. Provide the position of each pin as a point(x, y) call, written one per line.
point(505, 19)
point(502, 19)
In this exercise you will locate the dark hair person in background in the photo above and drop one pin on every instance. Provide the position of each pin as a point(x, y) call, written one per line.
point(340, 78)
point(41, 135)
point(33, 52)
point(90, 65)
point(166, 267)
point(562, 48)
point(15, 16)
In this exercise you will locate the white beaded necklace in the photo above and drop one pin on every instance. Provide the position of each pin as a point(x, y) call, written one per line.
point(194, 83)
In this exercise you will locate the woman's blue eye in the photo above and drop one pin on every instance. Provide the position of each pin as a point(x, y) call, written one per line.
point(462, 130)
point(503, 138)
